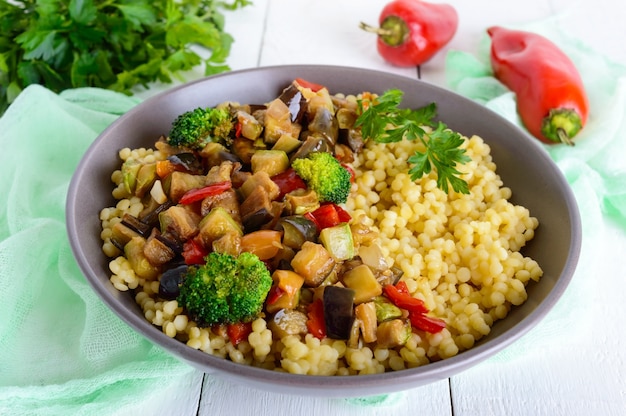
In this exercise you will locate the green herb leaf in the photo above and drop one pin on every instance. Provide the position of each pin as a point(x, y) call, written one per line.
point(114, 44)
point(384, 122)
point(443, 151)
point(138, 15)
point(83, 11)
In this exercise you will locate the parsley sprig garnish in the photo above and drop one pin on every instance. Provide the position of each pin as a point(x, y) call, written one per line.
point(383, 121)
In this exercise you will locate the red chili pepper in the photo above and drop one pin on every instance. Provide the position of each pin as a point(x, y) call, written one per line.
point(199, 194)
point(404, 300)
point(238, 332)
point(288, 181)
point(193, 252)
point(551, 98)
point(411, 32)
point(316, 324)
point(310, 85)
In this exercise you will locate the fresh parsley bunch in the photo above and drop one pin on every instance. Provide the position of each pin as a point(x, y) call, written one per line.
point(114, 44)
point(384, 122)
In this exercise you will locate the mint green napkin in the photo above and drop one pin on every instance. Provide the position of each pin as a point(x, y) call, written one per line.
point(62, 350)
point(594, 167)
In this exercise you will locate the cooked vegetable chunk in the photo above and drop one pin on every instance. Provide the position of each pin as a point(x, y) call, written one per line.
point(325, 175)
point(198, 127)
point(227, 289)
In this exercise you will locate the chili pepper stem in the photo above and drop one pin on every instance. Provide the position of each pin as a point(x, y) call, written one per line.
point(393, 31)
point(563, 137)
point(373, 29)
point(561, 125)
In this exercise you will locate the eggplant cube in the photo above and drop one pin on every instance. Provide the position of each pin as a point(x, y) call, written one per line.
point(338, 311)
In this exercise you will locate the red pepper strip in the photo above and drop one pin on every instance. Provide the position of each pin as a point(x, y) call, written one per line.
point(405, 300)
point(238, 332)
point(316, 324)
point(551, 98)
point(310, 85)
point(288, 181)
point(274, 294)
point(194, 252)
point(402, 287)
point(411, 32)
point(238, 129)
point(199, 194)
point(427, 323)
point(400, 296)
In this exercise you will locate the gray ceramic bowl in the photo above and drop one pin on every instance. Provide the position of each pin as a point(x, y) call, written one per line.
point(524, 166)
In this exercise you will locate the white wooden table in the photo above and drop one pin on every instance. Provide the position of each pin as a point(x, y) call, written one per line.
point(579, 375)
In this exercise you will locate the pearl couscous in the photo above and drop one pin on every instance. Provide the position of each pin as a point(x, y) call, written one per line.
point(458, 253)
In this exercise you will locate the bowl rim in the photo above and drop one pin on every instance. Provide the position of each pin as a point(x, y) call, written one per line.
point(326, 386)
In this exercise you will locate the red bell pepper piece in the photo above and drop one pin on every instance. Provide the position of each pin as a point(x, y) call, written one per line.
point(274, 294)
point(194, 252)
point(310, 85)
point(316, 324)
point(411, 32)
point(238, 332)
point(399, 295)
point(288, 181)
point(402, 287)
point(342, 214)
point(310, 217)
point(427, 323)
point(328, 215)
point(551, 98)
point(199, 194)
point(404, 300)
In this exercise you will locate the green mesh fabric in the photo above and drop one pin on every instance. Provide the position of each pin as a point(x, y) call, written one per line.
point(63, 350)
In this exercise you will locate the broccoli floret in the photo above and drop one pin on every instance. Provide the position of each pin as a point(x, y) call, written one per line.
point(227, 289)
point(325, 175)
point(196, 128)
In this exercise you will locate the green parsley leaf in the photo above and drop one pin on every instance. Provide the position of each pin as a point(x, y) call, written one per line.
point(443, 151)
point(138, 15)
point(83, 11)
point(114, 44)
point(384, 122)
